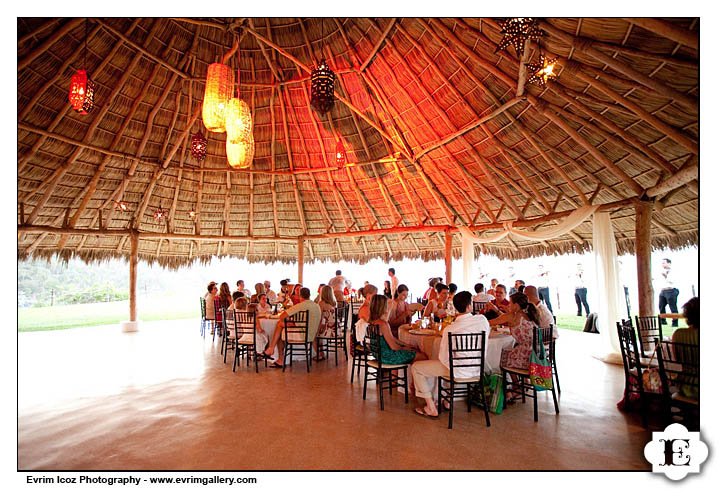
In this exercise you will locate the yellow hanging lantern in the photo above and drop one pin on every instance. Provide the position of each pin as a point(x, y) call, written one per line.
point(240, 155)
point(217, 93)
point(238, 121)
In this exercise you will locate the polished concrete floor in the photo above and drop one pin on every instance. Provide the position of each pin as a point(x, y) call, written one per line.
point(161, 399)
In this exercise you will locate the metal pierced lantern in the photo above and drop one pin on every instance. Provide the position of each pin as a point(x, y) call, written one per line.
point(341, 154)
point(217, 93)
point(238, 121)
point(82, 92)
point(121, 205)
point(322, 88)
point(199, 146)
point(240, 155)
point(543, 71)
point(192, 214)
point(160, 214)
point(517, 31)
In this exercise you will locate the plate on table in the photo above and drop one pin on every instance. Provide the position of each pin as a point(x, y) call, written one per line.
point(422, 331)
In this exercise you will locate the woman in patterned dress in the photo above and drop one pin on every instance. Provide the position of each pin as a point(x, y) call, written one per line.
point(327, 323)
point(524, 318)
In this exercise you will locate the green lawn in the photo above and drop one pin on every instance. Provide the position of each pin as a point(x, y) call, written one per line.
point(150, 308)
point(573, 322)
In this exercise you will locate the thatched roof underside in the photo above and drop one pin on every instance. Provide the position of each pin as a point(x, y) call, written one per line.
point(621, 119)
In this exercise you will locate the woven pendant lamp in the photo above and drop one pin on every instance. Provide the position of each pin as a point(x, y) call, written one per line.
point(238, 121)
point(240, 155)
point(217, 93)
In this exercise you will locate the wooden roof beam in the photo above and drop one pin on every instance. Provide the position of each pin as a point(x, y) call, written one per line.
point(584, 45)
point(377, 45)
point(56, 36)
point(667, 30)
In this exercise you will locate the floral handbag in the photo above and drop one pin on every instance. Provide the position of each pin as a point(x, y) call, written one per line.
point(540, 368)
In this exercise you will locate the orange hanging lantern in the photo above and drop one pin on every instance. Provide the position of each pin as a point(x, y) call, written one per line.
point(238, 121)
point(217, 93)
point(240, 155)
point(340, 154)
point(82, 92)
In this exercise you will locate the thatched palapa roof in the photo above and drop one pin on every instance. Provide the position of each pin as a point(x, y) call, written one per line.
point(440, 131)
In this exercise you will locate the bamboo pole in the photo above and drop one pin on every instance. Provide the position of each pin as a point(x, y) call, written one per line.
point(644, 210)
point(377, 45)
point(300, 260)
point(667, 30)
point(133, 275)
point(56, 36)
point(447, 256)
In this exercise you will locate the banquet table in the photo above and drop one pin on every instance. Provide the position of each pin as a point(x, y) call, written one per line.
point(674, 316)
point(431, 343)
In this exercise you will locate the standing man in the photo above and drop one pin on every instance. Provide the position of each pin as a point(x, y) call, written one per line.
point(543, 281)
point(512, 279)
point(242, 289)
point(394, 281)
point(338, 283)
point(669, 293)
point(580, 293)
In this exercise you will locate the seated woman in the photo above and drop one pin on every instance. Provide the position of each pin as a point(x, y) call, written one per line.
point(524, 318)
point(402, 311)
point(691, 311)
point(295, 298)
point(430, 293)
point(327, 324)
point(261, 339)
point(387, 289)
point(263, 309)
point(222, 300)
point(437, 308)
point(368, 292)
point(391, 347)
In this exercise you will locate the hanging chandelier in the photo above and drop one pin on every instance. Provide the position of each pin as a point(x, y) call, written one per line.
point(199, 146)
point(240, 155)
point(516, 31)
point(217, 93)
point(542, 72)
point(82, 89)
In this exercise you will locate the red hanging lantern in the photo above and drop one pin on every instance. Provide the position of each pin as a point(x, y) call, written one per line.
point(340, 154)
point(199, 146)
point(217, 93)
point(82, 92)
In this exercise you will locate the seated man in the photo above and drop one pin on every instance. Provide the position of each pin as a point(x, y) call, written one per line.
point(499, 305)
point(315, 315)
point(545, 315)
point(425, 373)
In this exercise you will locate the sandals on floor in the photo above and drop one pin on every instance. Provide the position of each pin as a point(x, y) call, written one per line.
point(275, 365)
point(420, 411)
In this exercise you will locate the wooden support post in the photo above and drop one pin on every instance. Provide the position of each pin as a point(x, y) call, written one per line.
point(133, 275)
point(644, 210)
point(300, 260)
point(447, 257)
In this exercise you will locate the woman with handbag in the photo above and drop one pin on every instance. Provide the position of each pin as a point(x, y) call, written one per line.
point(524, 318)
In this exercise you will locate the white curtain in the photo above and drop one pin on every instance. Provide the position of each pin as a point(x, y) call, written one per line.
point(572, 221)
point(609, 291)
point(467, 254)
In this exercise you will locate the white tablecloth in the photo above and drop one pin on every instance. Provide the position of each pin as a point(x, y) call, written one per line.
point(494, 345)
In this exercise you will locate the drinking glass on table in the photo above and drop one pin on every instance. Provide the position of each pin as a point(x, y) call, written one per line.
point(425, 322)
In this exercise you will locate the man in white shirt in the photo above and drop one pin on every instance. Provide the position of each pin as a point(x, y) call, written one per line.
point(669, 293)
point(542, 281)
point(315, 316)
point(580, 290)
point(394, 281)
point(545, 316)
point(271, 295)
point(425, 373)
point(338, 283)
point(242, 289)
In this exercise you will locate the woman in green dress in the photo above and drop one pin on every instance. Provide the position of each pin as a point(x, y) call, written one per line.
point(391, 347)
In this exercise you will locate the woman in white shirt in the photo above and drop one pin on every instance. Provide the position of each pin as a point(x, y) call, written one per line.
point(263, 309)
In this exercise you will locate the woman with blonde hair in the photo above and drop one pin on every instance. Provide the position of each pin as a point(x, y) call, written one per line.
point(391, 347)
point(327, 324)
point(259, 290)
